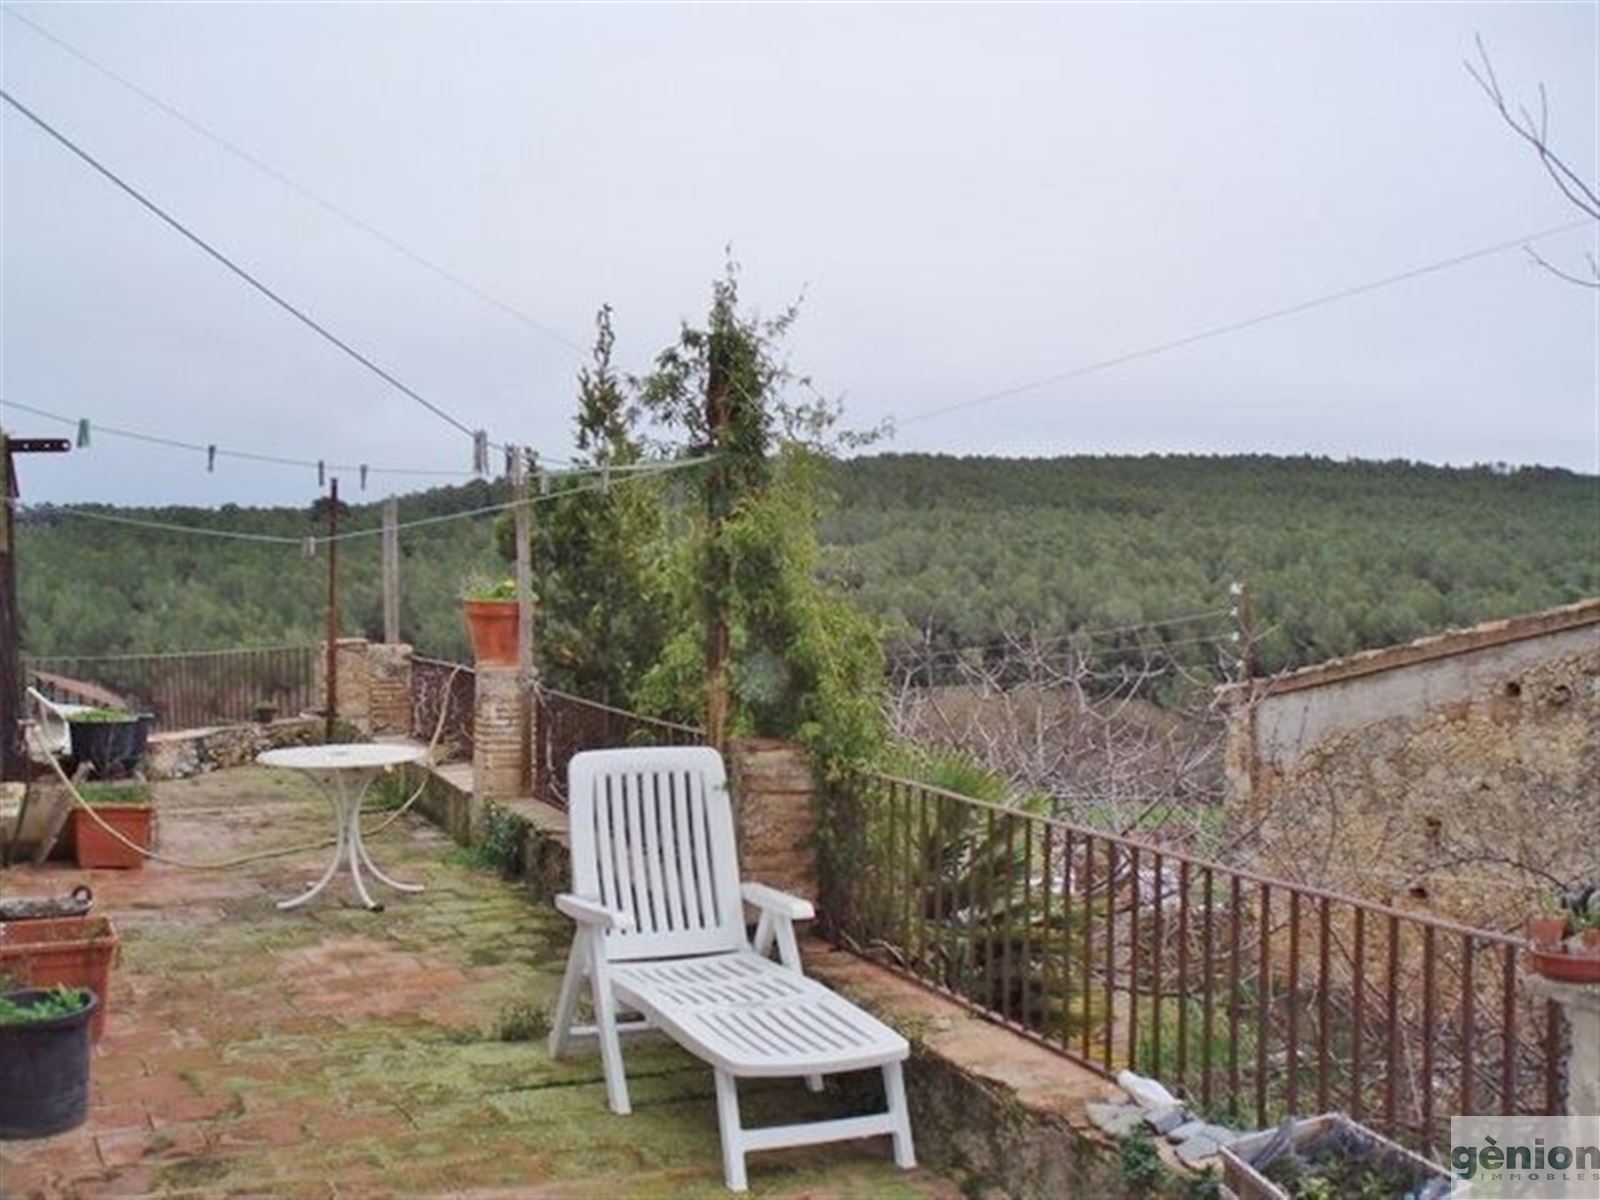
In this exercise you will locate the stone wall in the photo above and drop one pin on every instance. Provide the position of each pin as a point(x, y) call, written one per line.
point(187, 752)
point(1452, 774)
point(775, 814)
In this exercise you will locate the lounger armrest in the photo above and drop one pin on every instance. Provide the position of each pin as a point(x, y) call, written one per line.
point(779, 904)
point(592, 912)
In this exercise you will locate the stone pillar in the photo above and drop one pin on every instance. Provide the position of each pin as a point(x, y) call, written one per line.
point(1580, 1005)
point(499, 745)
point(352, 694)
point(775, 814)
point(389, 687)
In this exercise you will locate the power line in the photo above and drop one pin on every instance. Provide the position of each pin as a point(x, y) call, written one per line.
point(1002, 642)
point(297, 313)
point(601, 484)
point(299, 188)
point(1216, 331)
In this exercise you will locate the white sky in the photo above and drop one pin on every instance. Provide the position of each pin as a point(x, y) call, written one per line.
point(969, 197)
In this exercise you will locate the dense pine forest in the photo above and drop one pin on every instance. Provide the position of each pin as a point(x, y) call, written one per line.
point(949, 553)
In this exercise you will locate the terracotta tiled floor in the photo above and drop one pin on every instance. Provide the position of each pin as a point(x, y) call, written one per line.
point(330, 1051)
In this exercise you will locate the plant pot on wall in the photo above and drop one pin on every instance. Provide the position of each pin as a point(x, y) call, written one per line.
point(44, 1062)
point(492, 625)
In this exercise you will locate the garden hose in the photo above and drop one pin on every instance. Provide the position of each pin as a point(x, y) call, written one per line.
point(226, 864)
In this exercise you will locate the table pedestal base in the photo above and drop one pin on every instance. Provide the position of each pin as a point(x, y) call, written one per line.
point(348, 846)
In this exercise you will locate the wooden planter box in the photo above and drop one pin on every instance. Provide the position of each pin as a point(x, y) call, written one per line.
point(1309, 1136)
point(75, 951)
point(96, 848)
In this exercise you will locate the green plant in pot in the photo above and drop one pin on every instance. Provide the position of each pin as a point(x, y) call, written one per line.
point(127, 807)
point(490, 607)
point(44, 1060)
point(113, 740)
point(1566, 937)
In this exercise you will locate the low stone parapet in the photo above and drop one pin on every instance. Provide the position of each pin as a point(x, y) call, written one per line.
point(183, 753)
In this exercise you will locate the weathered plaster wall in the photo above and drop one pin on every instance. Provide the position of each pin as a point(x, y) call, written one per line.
point(1447, 775)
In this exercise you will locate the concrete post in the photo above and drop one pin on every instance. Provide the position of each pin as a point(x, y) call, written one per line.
point(1580, 1005)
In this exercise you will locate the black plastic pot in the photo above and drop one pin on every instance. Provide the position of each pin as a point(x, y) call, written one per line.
point(114, 747)
point(44, 1071)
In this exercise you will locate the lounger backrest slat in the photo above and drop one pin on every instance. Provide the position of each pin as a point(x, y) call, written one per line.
point(652, 834)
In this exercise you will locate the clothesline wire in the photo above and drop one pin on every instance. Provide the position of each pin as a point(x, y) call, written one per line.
point(96, 427)
point(594, 485)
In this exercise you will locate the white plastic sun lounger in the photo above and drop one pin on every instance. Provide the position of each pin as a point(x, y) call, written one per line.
point(660, 931)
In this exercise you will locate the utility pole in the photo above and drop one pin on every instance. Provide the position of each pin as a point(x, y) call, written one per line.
point(718, 568)
point(331, 709)
point(391, 571)
point(13, 754)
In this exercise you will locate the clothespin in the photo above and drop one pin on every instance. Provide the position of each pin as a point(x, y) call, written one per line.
point(309, 547)
point(211, 457)
point(83, 432)
point(322, 473)
point(605, 477)
point(363, 477)
point(480, 452)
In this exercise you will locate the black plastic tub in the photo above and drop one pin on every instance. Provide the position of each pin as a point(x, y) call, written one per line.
point(115, 748)
point(44, 1070)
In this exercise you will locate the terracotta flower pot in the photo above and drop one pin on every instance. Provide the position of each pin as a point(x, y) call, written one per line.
point(1557, 964)
point(74, 951)
point(98, 849)
point(1589, 942)
point(1546, 931)
point(492, 625)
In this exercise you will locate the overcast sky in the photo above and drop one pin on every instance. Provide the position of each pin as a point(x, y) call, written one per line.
point(969, 199)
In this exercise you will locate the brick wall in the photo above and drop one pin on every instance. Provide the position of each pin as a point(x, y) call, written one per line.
point(499, 744)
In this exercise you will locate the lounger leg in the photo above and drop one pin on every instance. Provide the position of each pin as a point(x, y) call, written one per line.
point(605, 1019)
point(567, 1005)
point(894, 1086)
point(732, 1132)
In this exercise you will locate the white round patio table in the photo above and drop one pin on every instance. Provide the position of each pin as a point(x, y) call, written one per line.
point(344, 771)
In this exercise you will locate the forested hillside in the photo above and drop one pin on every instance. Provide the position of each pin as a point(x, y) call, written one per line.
point(953, 551)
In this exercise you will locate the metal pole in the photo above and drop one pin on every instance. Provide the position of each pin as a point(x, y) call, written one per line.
point(331, 709)
point(12, 759)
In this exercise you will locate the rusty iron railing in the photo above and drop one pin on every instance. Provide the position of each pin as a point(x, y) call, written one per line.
point(431, 680)
point(567, 724)
point(184, 690)
point(1255, 997)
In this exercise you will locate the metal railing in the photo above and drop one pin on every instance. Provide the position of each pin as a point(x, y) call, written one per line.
point(431, 680)
point(567, 724)
point(1254, 997)
point(184, 690)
